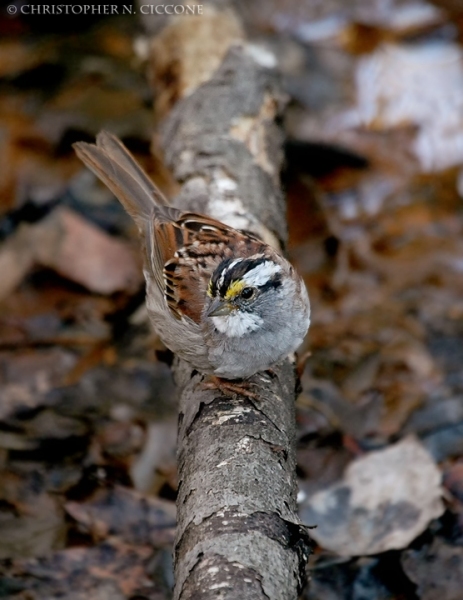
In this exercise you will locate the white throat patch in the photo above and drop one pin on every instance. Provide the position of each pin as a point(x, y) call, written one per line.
point(237, 323)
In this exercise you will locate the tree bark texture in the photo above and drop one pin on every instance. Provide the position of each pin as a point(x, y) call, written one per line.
point(238, 533)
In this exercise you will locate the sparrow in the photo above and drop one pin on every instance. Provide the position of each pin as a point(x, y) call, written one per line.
point(220, 298)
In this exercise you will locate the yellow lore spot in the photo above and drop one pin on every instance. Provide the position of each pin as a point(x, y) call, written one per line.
point(234, 289)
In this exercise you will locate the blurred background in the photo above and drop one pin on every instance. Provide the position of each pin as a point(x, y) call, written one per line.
point(374, 182)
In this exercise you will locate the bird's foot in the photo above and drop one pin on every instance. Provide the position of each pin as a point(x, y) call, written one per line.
point(230, 386)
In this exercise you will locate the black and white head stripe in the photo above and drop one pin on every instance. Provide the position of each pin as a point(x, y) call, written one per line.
point(256, 271)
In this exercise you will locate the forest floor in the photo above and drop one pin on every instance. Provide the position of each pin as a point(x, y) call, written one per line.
point(374, 182)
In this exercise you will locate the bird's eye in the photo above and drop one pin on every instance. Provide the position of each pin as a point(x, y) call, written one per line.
point(247, 293)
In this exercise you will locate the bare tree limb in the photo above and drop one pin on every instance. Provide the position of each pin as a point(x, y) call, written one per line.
point(238, 535)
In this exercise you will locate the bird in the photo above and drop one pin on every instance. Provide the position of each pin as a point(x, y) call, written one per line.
point(220, 298)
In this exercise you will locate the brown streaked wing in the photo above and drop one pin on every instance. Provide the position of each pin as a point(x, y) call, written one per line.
point(193, 247)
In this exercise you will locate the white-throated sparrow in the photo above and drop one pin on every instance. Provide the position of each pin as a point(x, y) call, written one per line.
point(220, 298)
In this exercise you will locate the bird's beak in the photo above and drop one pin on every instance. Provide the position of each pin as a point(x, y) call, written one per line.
point(219, 308)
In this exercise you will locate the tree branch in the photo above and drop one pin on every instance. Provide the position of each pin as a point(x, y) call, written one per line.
point(238, 534)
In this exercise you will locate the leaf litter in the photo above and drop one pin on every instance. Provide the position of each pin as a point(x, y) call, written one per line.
point(374, 187)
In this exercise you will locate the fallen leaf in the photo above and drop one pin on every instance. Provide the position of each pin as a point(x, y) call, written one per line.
point(75, 249)
point(437, 570)
point(134, 517)
point(85, 254)
point(384, 501)
point(31, 520)
point(116, 570)
point(16, 259)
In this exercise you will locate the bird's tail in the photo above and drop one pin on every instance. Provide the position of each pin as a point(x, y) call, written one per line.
point(110, 160)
